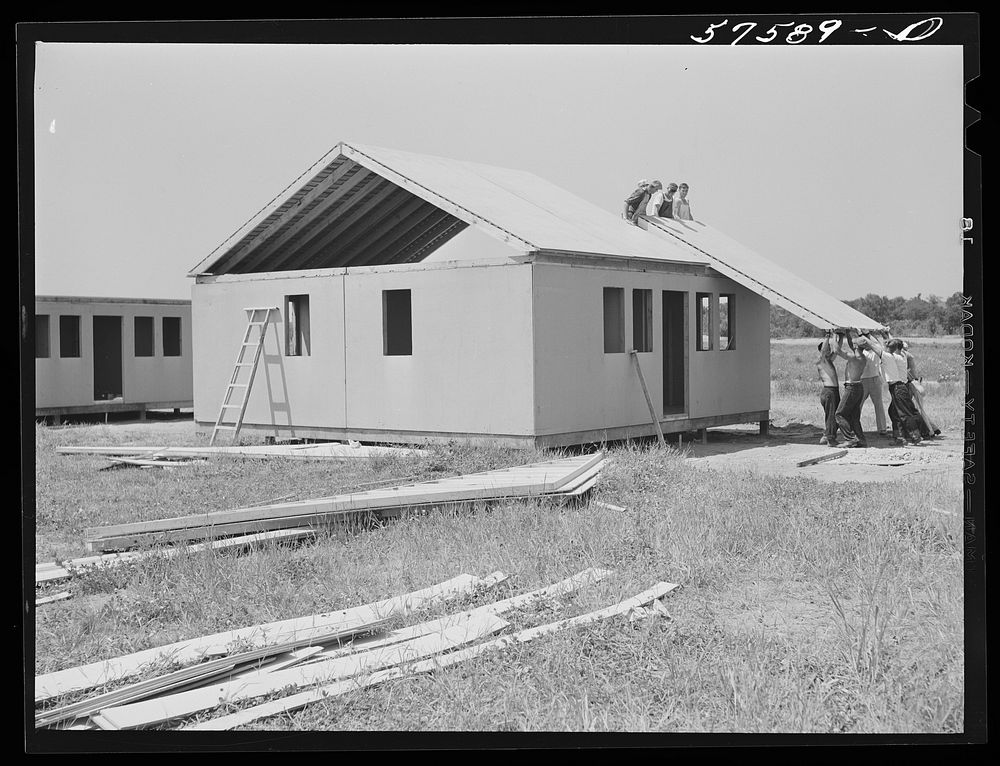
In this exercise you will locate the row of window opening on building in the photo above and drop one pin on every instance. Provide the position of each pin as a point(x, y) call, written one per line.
point(69, 336)
point(397, 324)
point(709, 305)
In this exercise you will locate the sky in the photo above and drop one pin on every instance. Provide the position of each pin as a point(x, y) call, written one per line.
point(842, 164)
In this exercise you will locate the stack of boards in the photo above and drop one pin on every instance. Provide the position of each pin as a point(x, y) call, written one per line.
point(322, 655)
point(565, 477)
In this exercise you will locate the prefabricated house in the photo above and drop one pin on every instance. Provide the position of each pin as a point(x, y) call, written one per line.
point(367, 337)
point(95, 355)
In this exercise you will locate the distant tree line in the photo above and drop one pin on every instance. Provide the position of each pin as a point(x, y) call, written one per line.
point(918, 316)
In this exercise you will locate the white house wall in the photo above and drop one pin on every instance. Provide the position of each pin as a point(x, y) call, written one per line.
point(288, 391)
point(471, 367)
point(578, 387)
point(69, 382)
point(469, 372)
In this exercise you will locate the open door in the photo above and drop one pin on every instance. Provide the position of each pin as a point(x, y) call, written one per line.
point(107, 357)
point(674, 352)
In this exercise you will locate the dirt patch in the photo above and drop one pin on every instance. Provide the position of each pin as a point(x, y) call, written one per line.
point(779, 452)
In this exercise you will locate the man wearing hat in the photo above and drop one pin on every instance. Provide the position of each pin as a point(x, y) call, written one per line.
point(635, 203)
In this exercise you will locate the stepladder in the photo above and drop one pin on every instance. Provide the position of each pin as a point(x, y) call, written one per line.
point(237, 394)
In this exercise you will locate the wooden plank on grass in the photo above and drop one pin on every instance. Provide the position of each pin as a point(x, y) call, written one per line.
point(561, 588)
point(539, 478)
point(162, 709)
point(296, 701)
point(294, 451)
point(193, 650)
point(51, 571)
point(54, 597)
point(199, 673)
point(821, 458)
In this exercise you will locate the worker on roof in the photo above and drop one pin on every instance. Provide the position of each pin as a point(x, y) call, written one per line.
point(655, 199)
point(681, 206)
point(635, 203)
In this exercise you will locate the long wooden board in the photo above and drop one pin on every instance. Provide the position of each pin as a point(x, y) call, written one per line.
point(821, 458)
point(532, 479)
point(192, 650)
point(570, 584)
point(294, 451)
point(296, 701)
point(201, 672)
point(163, 709)
point(51, 571)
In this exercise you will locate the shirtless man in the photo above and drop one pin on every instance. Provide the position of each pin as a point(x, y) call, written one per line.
point(829, 397)
point(849, 410)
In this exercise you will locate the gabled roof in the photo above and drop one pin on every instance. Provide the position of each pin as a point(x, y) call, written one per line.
point(364, 205)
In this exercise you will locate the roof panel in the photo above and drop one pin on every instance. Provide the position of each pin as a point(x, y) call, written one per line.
point(528, 212)
point(768, 279)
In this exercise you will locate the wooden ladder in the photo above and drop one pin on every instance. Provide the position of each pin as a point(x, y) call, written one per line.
point(257, 345)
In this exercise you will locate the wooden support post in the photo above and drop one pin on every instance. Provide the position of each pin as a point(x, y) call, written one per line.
point(704, 436)
point(764, 424)
point(56, 420)
point(649, 402)
point(142, 413)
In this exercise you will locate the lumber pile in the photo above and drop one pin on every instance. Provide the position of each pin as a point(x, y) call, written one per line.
point(563, 478)
point(306, 659)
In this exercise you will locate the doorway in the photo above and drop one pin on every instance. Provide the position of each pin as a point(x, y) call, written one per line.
point(107, 357)
point(674, 352)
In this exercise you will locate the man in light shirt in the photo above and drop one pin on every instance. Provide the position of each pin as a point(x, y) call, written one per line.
point(902, 411)
point(655, 199)
point(849, 410)
point(872, 383)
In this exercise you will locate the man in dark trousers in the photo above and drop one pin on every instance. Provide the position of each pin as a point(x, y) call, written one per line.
point(829, 397)
point(902, 411)
point(849, 411)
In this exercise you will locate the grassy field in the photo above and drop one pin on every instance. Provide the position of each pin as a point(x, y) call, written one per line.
point(802, 608)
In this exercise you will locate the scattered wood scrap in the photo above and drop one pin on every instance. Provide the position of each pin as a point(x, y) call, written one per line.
point(160, 710)
point(300, 700)
point(559, 477)
point(86, 677)
point(821, 458)
point(352, 657)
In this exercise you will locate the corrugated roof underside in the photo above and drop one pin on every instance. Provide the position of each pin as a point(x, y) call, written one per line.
point(345, 215)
